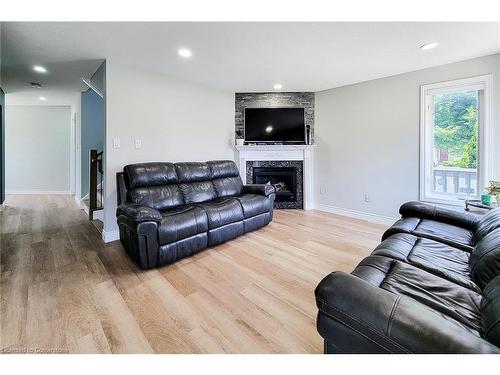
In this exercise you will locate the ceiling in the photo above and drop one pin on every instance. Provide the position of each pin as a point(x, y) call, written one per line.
point(237, 57)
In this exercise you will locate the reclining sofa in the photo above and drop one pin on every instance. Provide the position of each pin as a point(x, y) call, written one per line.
point(431, 286)
point(168, 211)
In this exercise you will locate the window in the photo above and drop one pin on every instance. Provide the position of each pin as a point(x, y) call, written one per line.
point(454, 140)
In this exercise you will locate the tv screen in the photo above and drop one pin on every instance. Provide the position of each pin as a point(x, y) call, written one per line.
point(274, 125)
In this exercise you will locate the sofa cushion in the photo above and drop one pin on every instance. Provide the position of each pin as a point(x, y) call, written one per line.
point(435, 230)
point(228, 186)
point(254, 204)
point(197, 192)
point(222, 211)
point(195, 182)
point(223, 168)
point(432, 256)
point(181, 222)
point(488, 223)
point(150, 174)
point(454, 302)
point(226, 178)
point(153, 185)
point(423, 210)
point(446, 231)
point(160, 197)
point(490, 311)
point(193, 172)
point(485, 259)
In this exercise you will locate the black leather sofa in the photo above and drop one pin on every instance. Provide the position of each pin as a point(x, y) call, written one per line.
point(169, 211)
point(431, 286)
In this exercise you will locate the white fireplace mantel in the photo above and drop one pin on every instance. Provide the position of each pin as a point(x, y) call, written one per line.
point(303, 153)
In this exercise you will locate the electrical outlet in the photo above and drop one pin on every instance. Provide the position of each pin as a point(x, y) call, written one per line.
point(367, 198)
point(322, 190)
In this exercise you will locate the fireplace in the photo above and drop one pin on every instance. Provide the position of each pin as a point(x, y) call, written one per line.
point(284, 180)
point(286, 176)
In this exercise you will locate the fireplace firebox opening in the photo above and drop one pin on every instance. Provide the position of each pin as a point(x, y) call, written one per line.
point(284, 180)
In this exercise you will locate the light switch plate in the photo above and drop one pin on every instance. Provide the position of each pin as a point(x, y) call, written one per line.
point(138, 143)
point(116, 142)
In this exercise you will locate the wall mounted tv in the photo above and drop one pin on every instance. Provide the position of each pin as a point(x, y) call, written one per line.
point(274, 125)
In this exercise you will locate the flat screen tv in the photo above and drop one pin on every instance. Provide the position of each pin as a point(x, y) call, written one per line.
point(274, 125)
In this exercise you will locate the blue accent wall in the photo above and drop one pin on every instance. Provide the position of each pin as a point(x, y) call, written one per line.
point(2, 146)
point(92, 128)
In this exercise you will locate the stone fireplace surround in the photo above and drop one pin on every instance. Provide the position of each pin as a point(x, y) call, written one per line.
point(280, 155)
point(297, 164)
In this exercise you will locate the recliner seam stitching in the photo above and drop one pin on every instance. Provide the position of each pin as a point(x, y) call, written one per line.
point(361, 334)
point(361, 323)
point(392, 315)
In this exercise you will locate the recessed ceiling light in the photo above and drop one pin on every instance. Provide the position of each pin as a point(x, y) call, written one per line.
point(278, 86)
point(43, 98)
point(39, 69)
point(428, 46)
point(184, 52)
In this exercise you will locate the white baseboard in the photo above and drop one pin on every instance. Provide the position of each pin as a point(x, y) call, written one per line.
point(110, 236)
point(373, 218)
point(99, 215)
point(84, 207)
point(37, 192)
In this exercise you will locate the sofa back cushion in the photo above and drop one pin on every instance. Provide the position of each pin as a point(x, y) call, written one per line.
point(489, 222)
point(195, 182)
point(226, 178)
point(490, 311)
point(153, 185)
point(484, 260)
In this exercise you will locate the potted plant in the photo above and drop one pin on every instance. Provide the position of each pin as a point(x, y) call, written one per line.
point(494, 189)
point(240, 140)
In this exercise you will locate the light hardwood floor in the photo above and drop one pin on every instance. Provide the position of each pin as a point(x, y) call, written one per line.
point(62, 289)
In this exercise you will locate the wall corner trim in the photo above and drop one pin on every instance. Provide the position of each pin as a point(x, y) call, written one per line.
point(110, 236)
point(370, 217)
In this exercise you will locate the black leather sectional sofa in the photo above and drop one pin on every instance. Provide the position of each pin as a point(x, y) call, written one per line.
point(431, 286)
point(169, 211)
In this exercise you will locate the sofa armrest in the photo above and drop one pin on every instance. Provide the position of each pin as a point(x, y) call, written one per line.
point(389, 322)
point(262, 189)
point(138, 213)
point(432, 212)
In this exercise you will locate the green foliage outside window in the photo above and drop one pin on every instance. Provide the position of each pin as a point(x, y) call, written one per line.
point(455, 132)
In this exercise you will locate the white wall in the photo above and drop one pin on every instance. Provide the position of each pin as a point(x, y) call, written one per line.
point(58, 98)
point(37, 149)
point(75, 167)
point(176, 121)
point(368, 137)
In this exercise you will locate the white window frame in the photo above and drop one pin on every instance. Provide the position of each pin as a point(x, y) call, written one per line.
point(485, 165)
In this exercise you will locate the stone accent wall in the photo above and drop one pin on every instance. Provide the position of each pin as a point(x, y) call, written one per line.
point(274, 99)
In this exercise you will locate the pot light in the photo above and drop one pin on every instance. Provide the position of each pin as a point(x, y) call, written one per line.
point(43, 98)
point(39, 69)
point(278, 86)
point(428, 46)
point(184, 52)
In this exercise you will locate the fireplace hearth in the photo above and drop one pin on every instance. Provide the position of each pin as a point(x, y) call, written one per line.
point(285, 176)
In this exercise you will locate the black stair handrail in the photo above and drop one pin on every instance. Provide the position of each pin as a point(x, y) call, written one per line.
point(95, 179)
